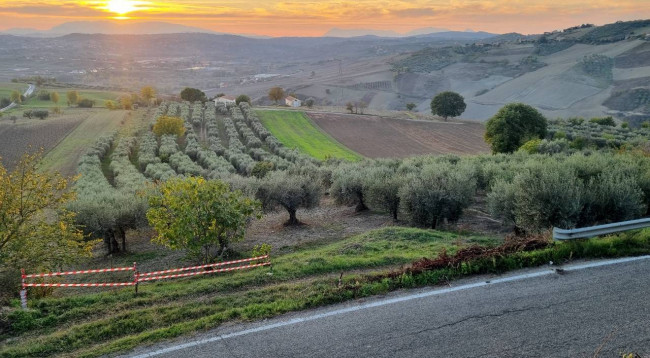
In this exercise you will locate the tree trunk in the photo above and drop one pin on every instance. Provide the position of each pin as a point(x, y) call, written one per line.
point(361, 206)
point(394, 212)
point(122, 234)
point(111, 244)
point(434, 223)
point(293, 220)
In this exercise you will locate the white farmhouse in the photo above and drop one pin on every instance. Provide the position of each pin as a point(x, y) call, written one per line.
point(293, 102)
point(224, 99)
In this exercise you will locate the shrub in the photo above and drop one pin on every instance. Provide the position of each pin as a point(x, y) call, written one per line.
point(85, 103)
point(242, 98)
point(41, 114)
point(43, 95)
point(261, 169)
point(604, 121)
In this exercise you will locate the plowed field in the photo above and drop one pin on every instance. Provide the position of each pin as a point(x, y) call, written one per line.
point(381, 137)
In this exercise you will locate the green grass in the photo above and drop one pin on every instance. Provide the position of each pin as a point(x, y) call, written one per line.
point(90, 325)
point(65, 155)
point(296, 130)
point(98, 96)
point(7, 88)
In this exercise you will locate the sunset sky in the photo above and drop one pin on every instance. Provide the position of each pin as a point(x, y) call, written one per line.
point(314, 18)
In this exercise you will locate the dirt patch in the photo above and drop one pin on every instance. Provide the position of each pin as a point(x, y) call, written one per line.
point(382, 137)
point(327, 223)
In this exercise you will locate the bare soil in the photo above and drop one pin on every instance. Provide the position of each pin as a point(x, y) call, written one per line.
point(384, 137)
point(33, 135)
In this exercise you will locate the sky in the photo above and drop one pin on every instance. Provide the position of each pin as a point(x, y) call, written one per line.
point(316, 17)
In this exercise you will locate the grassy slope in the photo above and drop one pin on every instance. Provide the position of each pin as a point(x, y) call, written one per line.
point(90, 325)
point(95, 324)
point(295, 130)
point(65, 155)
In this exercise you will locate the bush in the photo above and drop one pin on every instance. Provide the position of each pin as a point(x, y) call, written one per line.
point(85, 103)
point(43, 95)
point(40, 114)
point(242, 98)
point(604, 121)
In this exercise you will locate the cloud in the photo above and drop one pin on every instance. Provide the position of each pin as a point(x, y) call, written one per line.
point(414, 12)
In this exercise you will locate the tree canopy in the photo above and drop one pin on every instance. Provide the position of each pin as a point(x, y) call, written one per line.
point(514, 125)
point(193, 95)
point(448, 104)
point(276, 94)
point(242, 98)
point(36, 232)
point(148, 93)
point(73, 97)
point(200, 216)
point(169, 125)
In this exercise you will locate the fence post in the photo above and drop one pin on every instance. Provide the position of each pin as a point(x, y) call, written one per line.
point(23, 291)
point(135, 276)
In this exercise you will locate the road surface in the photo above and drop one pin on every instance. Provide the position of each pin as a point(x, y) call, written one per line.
point(27, 93)
point(600, 306)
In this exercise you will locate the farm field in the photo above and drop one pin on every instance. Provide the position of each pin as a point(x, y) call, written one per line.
point(98, 96)
point(32, 135)
point(296, 130)
point(380, 137)
point(66, 154)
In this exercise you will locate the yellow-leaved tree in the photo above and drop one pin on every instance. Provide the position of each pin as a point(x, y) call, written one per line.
point(36, 231)
point(169, 125)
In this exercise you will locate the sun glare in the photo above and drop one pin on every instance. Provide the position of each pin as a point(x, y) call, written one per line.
point(120, 7)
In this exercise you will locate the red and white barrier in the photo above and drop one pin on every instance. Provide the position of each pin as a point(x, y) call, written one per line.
point(218, 264)
point(202, 272)
point(140, 277)
point(68, 273)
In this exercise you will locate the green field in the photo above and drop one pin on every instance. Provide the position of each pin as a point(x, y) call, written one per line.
point(98, 96)
point(65, 155)
point(7, 88)
point(295, 130)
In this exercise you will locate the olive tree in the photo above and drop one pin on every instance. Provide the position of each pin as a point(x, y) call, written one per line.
point(439, 192)
point(201, 216)
point(382, 187)
point(289, 191)
point(348, 185)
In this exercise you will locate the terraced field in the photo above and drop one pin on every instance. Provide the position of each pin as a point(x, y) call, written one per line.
point(381, 137)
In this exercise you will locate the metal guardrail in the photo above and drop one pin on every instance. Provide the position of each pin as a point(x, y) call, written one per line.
point(585, 232)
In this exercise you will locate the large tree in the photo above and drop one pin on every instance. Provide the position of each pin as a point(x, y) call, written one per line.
point(193, 95)
point(169, 125)
point(448, 104)
point(276, 94)
point(36, 232)
point(200, 216)
point(514, 125)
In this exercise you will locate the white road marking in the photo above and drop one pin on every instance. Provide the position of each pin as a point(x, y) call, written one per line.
point(384, 302)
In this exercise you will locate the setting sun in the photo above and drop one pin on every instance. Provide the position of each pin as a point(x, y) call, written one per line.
point(120, 7)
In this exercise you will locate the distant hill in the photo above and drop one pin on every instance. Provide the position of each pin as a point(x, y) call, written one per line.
point(110, 28)
point(426, 31)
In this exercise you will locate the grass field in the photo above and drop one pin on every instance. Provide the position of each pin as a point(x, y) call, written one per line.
point(7, 88)
point(65, 155)
point(98, 96)
point(296, 130)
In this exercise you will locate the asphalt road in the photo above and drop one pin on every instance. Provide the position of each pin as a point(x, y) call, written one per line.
point(540, 313)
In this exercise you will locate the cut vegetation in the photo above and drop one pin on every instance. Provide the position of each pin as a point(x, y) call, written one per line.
point(296, 130)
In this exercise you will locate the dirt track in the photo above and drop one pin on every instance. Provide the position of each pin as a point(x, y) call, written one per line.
point(380, 137)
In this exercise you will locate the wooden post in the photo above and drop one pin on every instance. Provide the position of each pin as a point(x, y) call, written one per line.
point(135, 276)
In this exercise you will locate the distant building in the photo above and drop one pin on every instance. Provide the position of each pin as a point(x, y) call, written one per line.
point(225, 100)
point(293, 102)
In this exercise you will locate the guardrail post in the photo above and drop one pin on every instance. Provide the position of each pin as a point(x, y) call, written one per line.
point(135, 276)
point(23, 291)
